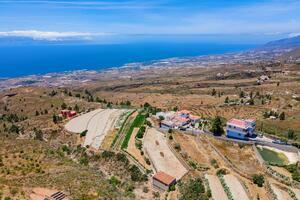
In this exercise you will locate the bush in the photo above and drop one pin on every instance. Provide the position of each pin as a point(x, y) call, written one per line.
point(107, 154)
point(114, 181)
point(122, 157)
point(136, 174)
point(192, 189)
point(258, 179)
point(83, 133)
point(221, 172)
point(84, 160)
point(145, 189)
point(177, 147)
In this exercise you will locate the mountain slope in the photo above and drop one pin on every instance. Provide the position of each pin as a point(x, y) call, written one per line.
point(284, 43)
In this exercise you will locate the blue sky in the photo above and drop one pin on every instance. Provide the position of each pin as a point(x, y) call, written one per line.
point(103, 20)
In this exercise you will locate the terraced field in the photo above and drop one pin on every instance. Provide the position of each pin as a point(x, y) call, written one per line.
point(216, 188)
point(97, 123)
point(236, 188)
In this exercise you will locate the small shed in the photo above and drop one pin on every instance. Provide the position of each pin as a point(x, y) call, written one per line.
point(163, 181)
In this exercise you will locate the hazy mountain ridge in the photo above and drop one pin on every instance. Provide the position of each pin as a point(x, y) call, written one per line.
point(284, 43)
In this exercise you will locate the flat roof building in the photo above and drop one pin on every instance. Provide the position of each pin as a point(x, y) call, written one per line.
point(240, 129)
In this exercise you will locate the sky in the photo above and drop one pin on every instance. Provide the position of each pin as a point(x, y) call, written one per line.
point(244, 21)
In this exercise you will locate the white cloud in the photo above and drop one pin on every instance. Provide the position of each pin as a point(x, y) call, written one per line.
point(50, 36)
point(294, 34)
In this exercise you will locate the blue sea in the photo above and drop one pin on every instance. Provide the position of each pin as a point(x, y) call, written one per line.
point(40, 59)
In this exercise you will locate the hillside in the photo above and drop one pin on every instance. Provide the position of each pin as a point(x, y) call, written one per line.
point(284, 43)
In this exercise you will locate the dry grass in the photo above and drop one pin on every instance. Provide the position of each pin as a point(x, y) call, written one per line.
point(242, 156)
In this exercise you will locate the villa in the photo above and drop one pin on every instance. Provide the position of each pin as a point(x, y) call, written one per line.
point(240, 129)
point(177, 119)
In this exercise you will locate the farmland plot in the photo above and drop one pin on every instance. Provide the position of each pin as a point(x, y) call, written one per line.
point(297, 193)
point(281, 195)
point(97, 123)
point(163, 159)
point(216, 188)
point(235, 187)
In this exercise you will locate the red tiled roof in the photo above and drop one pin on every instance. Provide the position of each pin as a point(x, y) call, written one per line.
point(164, 178)
point(194, 117)
point(185, 111)
point(238, 122)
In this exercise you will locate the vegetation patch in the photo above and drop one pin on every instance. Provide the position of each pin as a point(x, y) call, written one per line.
point(138, 122)
point(193, 189)
point(273, 157)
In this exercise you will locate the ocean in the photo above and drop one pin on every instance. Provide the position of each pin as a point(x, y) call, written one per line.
point(40, 59)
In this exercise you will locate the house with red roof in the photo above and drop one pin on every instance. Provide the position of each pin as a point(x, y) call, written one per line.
point(240, 129)
point(68, 113)
point(163, 181)
point(178, 119)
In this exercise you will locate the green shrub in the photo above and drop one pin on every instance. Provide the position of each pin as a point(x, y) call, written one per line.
point(83, 133)
point(258, 179)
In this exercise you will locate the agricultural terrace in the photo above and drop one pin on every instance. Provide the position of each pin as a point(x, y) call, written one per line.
point(97, 124)
point(235, 187)
point(241, 156)
point(161, 156)
point(280, 194)
point(216, 187)
point(137, 123)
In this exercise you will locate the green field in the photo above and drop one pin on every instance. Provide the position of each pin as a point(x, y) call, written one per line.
point(138, 122)
point(273, 157)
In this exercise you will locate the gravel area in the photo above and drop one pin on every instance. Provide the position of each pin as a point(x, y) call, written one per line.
point(216, 188)
point(163, 159)
point(235, 187)
point(97, 122)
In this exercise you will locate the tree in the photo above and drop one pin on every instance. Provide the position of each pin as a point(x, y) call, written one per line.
point(217, 127)
point(76, 108)
point(54, 119)
point(291, 134)
point(14, 129)
point(258, 179)
point(242, 94)
point(266, 114)
point(37, 113)
point(38, 134)
point(226, 100)
point(128, 103)
point(282, 116)
point(83, 133)
point(147, 105)
point(161, 118)
point(251, 101)
point(63, 106)
point(251, 95)
point(213, 92)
